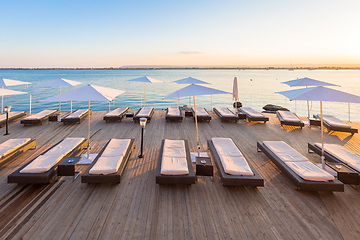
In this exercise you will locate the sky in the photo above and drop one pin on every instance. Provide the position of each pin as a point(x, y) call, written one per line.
point(226, 33)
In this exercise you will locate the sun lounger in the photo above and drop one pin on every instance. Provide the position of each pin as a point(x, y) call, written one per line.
point(76, 116)
point(332, 123)
point(304, 174)
point(201, 114)
point(252, 115)
point(174, 114)
point(12, 117)
point(12, 148)
point(116, 115)
point(174, 163)
point(337, 154)
point(109, 164)
point(289, 118)
point(226, 114)
point(43, 168)
point(38, 118)
point(144, 112)
point(234, 168)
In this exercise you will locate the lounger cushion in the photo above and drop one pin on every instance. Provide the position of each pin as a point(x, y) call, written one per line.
point(225, 112)
point(334, 121)
point(231, 158)
point(342, 154)
point(173, 111)
point(145, 111)
point(200, 111)
point(116, 147)
point(78, 113)
point(174, 158)
point(298, 163)
point(11, 114)
point(46, 161)
point(40, 115)
point(11, 145)
point(116, 112)
point(251, 112)
point(289, 116)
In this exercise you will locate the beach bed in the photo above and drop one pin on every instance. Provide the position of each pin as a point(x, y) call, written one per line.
point(38, 118)
point(144, 112)
point(226, 114)
point(43, 168)
point(304, 174)
point(116, 115)
point(12, 117)
point(77, 116)
point(234, 168)
point(174, 113)
point(289, 118)
point(252, 115)
point(332, 123)
point(110, 163)
point(338, 154)
point(174, 163)
point(12, 148)
point(201, 114)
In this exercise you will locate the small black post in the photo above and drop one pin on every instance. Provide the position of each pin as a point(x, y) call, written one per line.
point(7, 123)
point(142, 143)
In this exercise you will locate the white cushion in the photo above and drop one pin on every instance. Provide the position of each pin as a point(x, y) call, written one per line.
point(288, 116)
point(334, 121)
point(40, 115)
point(174, 158)
point(144, 112)
point(200, 111)
point(285, 152)
point(11, 114)
point(251, 112)
point(173, 111)
point(309, 171)
point(116, 112)
point(225, 112)
point(78, 113)
point(11, 145)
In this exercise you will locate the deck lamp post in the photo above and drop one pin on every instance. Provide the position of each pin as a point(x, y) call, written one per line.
point(7, 110)
point(142, 124)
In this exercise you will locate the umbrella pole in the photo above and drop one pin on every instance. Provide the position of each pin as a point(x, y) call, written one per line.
point(349, 110)
point(308, 109)
point(2, 105)
point(144, 93)
point(178, 101)
point(88, 148)
point(322, 138)
point(190, 102)
point(109, 106)
point(197, 131)
point(30, 104)
point(59, 101)
point(70, 106)
point(211, 102)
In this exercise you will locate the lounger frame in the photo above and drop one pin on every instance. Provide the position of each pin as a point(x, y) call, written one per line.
point(255, 119)
point(13, 118)
point(301, 184)
point(206, 118)
point(37, 121)
point(69, 120)
point(136, 118)
point(17, 152)
point(336, 128)
point(174, 118)
point(290, 123)
point(234, 118)
point(116, 118)
point(175, 179)
point(46, 177)
point(235, 180)
point(329, 157)
point(86, 177)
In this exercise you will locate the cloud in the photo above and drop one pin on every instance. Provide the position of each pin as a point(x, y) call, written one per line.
point(190, 52)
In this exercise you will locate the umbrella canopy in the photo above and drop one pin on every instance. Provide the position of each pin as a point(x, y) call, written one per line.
point(190, 80)
point(145, 80)
point(235, 92)
point(87, 93)
point(7, 83)
point(321, 94)
point(60, 82)
point(5, 92)
point(195, 90)
point(307, 82)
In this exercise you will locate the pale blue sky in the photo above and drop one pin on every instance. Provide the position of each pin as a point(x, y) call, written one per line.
point(202, 33)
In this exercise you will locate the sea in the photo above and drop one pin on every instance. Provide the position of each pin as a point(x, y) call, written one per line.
point(256, 89)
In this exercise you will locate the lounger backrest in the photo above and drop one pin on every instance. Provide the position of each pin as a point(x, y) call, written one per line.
point(200, 111)
point(77, 113)
point(225, 111)
point(145, 111)
point(251, 112)
point(333, 121)
point(174, 160)
point(173, 111)
point(41, 114)
point(116, 112)
point(3, 116)
point(11, 145)
point(288, 116)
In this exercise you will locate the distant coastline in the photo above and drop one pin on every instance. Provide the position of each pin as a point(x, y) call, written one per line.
point(193, 68)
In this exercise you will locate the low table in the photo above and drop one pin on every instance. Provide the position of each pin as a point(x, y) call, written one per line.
point(242, 116)
point(204, 166)
point(53, 117)
point(188, 113)
point(344, 173)
point(314, 122)
point(67, 167)
point(129, 114)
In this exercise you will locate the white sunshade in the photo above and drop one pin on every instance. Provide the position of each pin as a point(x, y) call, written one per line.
point(304, 82)
point(195, 90)
point(8, 82)
point(235, 92)
point(61, 82)
point(5, 92)
point(190, 80)
point(145, 79)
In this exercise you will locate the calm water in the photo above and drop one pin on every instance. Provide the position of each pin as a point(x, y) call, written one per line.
point(257, 88)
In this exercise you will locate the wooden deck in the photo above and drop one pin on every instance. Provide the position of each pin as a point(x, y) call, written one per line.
point(137, 208)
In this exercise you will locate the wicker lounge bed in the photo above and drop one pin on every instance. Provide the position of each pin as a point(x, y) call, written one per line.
point(100, 170)
point(144, 112)
point(337, 154)
point(174, 114)
point(289, 118)
point(116, 115)
point(332, 123)
point(76, 117)
point(252, 115)
point(43, 168)
point(183, 172)
point(12, 148)
point(12, 117)
point(226, 114)
point(292, 163)
point(201, 114)
point(237, 170)
point(38, 118)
